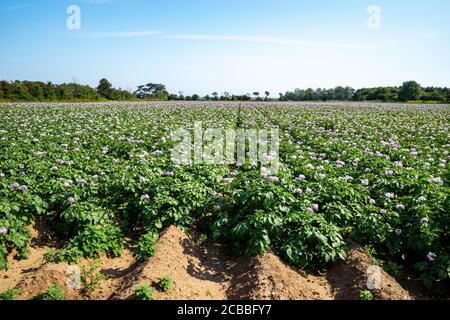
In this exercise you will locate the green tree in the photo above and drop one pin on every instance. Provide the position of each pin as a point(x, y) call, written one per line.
point(21, 91)
point(63, 92)
point(104, 88)
point(36, 90)
point(50, 91)
point(433, 94)
point(155, 91)
point(410, 90)
point(349, 91)
point(310, 94)
point(226, 95)
point(339, 92)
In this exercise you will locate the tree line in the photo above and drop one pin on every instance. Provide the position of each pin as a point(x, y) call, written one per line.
point(47, 91)
point(40, 91)
point(409, 91)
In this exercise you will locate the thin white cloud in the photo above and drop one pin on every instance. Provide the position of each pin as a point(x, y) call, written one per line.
point(129, 34)
point(233, 38)
point(272, 40)
point(98, 1)
point(15, 7)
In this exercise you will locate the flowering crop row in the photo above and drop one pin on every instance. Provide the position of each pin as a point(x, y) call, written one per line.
point(95, 174)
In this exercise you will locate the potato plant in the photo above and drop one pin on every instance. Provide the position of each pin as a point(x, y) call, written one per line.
point(98, 173)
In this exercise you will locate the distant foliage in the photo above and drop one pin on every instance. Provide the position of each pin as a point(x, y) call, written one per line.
point(409, 91)
point(40, 91)
point(153, 91)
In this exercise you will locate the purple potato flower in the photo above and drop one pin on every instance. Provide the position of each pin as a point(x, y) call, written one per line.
point(424, 221)
point(227, 180)
point(15, 186)
point(274, 179)
point(421, 199)
point(389, 195)
point(431, 256)
point(3, 230)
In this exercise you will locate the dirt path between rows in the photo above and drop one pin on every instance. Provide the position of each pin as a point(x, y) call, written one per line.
point(202, 272)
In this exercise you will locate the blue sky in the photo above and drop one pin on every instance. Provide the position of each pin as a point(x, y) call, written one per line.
point(240, 46)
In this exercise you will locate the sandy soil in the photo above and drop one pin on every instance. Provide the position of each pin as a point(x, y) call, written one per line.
point(198, 272)
point(348, 277)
